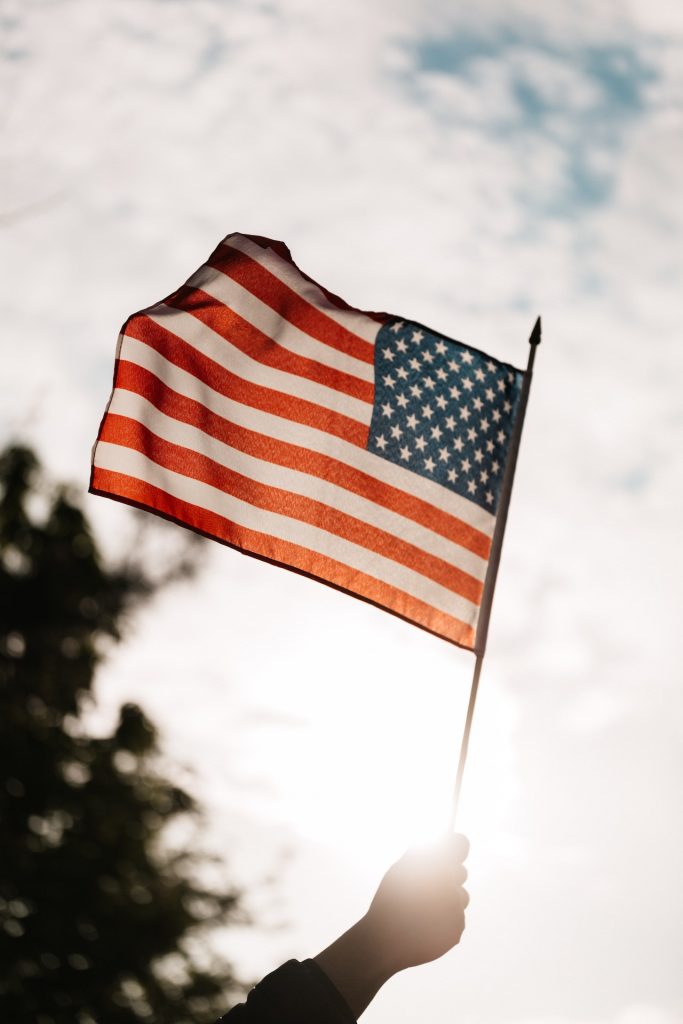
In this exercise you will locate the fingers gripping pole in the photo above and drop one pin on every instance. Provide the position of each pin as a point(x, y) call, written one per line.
point(465, 739)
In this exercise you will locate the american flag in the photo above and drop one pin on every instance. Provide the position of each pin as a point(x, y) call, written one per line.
point(367, 451)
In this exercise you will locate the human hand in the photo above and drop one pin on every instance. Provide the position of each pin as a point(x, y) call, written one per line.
point(416, 915)
point(418, 911)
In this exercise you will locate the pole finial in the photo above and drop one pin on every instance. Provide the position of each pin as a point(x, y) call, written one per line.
point(535, 338)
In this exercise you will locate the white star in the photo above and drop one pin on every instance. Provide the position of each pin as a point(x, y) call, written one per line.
point(479, 373)
point(441, 402)
point(455, 392)
point(467, 357)
point(478, 455)
point(397, 326)
point(402, 373)
point(495, 466)
point(450, 423)
point(484, 424)
point(396, 432)
point(387, 410)
point(464, 413)
point(429, 383)
point(484, 477)
point(490, 366)
point(388, 354)
point(507, 406)
point(427, 412)
point(389, 381)
point(405, 453)
point(496, 415)
point(412, 421)
point(467, 383)
point(466, 465)
point(402, 401)
point(471, 486)
point(381, 442)
point(443, 454)
point(501, 436)
point(427, 356)
point(489, 497)
point(511, 376)
point(471, 434)
point(418, 336)
point(436, 433)
point(430, 464)
point(453, 366)
point(441, 373)
point(478, 404)
point(500, 384)
point(414, 363)
point(452, 476)
point(401, 345)
point(420, 444)
point(416, 390)
point(458, 444)
point(441, 348)
point(490, 394)
point(490, 446)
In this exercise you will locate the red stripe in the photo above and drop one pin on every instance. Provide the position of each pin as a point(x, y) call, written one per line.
point(130, 434)
point(284, 300)
point(292, 556)
point(249, 339)
point(135, 378)
point(188, 358)
point(281, 249)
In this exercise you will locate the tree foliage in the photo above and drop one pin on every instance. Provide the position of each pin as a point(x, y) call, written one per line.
point(98, 919)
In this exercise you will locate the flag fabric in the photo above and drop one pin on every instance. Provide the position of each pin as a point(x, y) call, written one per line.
point(362, 449)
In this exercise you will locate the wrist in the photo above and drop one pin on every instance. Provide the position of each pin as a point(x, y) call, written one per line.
point(357, 965)
point(374, 949)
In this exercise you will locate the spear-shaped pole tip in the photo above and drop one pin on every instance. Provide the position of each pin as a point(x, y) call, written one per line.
point(535, 338)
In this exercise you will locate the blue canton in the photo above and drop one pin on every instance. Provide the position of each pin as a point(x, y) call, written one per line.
point(444, 410)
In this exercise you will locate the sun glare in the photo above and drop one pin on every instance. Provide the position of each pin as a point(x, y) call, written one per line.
point(373, 773)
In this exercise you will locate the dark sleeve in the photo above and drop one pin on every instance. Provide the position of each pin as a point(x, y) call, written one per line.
point(296, 993)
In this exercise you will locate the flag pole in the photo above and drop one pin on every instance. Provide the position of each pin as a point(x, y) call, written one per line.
point(494, 562)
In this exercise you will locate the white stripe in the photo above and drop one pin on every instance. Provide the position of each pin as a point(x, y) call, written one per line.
point(265, 319)
point(351, 319)
point(211, 344)
point(132, 405)
point(119, 459)
point(308, 437)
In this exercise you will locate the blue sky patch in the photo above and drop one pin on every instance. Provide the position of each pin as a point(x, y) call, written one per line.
point(590, 128)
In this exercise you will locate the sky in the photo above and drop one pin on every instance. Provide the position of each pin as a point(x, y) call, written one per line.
point(467, 166)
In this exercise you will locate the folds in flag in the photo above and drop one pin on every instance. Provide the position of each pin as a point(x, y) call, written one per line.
point(362, 449)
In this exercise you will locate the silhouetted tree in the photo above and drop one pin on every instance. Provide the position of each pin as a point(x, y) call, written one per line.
point(97, 917)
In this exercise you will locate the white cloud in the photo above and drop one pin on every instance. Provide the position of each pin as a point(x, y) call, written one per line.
point(660, 17)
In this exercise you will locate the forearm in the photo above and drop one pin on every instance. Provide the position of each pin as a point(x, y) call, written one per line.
point(356, 965)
